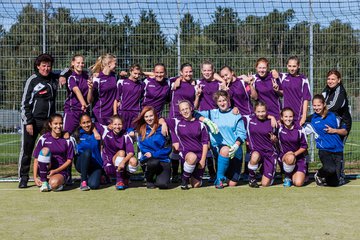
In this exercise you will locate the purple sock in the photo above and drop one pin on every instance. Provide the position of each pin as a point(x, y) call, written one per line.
point(120, 176)
point(185, 175)
point(251, 174)
point(43, 171)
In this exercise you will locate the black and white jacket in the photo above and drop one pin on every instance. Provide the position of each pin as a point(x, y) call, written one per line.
point(337, 102)
point(38, 100)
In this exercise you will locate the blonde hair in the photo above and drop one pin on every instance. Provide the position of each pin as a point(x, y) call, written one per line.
point(101, 62)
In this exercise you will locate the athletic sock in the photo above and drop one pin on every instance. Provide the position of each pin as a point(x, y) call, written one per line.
point(43, 171)
point(188, 170)
point(252, 169)
point(223, 164)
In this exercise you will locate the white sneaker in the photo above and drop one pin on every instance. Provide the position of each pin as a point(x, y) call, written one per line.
point(45, 187)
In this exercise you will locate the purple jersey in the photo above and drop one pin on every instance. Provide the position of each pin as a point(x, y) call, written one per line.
point(112, 143)
point(72, 103)
point(291, 140)
point(129, 94)
point(296, 91)
point(191, 136)
point(105, 94)
point(156, 94)
point(186, 91)
point(239, 92)
point(258, 134)
point(208, 88)
point(61, 149)
point(267, 94)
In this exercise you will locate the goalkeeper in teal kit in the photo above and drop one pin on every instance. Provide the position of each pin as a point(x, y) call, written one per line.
point(227, 134)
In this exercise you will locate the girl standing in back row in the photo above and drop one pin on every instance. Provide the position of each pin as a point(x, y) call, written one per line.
point(102, 88)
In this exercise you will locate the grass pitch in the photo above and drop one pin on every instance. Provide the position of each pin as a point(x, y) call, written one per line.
point(308, 212)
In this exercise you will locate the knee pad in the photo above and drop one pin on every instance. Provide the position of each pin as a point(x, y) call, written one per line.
point(118, 160)
point(44, 158)
point(288, 168)
point(131, 169)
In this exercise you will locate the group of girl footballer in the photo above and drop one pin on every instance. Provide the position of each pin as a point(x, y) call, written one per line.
point(210, 122)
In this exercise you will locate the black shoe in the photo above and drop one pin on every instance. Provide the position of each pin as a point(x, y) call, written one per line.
point(23, 183)
point(69, 181)
point(253, 183)
point(175, 179)
point(184, 185)
point(318, 180)
point(150, 185)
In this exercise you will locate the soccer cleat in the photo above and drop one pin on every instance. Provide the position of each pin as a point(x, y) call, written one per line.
point(120, 185)
point(287, 182)
point(84, 186)
point(58, 189)
point(150, 185)
point(253, 183)
point(245, 177)
point(318, 180)
point(184, 185)
point(219, 184)
point(175, 179)
point(45, 187)
point(23, 183)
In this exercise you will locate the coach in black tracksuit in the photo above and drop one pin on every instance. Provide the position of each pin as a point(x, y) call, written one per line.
point(37, 104)
point(337, 101)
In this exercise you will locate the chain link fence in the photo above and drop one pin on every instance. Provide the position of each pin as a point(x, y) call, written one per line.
point(324, 34)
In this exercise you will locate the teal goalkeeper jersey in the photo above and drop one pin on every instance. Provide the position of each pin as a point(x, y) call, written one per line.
point(231, 127)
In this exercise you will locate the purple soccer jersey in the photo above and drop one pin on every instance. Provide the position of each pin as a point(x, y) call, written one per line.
point(72, 103)
point(61, 149)
point(296, 91)
point(156, 94)
point(112, 143)
point(105, 94)
point(186, 91)
point(191, 136)
point(208, 88)
point(72, 106)
point(267, 94)
point(291, 140)
point(129, 95)
point(258, 134)
point(239, 92)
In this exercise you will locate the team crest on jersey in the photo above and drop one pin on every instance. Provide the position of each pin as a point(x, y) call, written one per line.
point(153, 86)
point(109, 136)
point(182, 125)
point(48, 142)
point(253, 123)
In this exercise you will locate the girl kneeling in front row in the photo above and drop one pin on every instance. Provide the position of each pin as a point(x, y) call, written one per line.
point(53, 154)
point(293, 145)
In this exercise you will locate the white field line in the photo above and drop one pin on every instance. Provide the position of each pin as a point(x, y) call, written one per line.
point(5, 143)
point(352, 144)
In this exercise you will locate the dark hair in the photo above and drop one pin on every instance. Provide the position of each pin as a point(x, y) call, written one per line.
point(134, 67)
point(323, 101)
point(44, 57)
point(259, 103)
point(76, 133)
point(294, 58)
point(221, 93)
point(184, 65)
point(335, 72)
point(161, 65)
point(228, 67)
point(46, 127)
point(140, 122)
point(284, 110)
